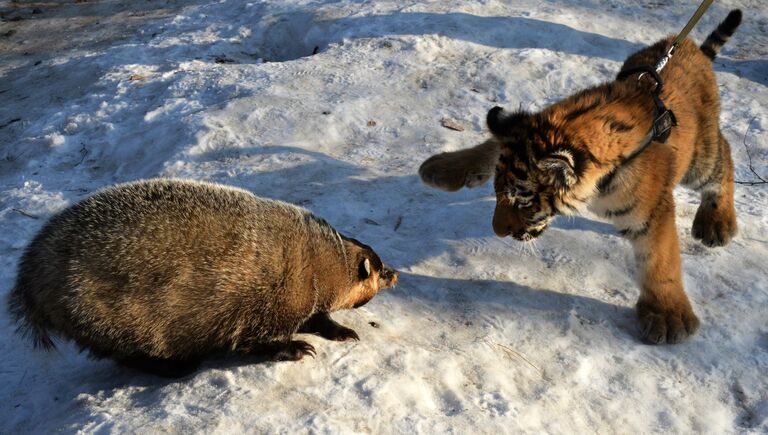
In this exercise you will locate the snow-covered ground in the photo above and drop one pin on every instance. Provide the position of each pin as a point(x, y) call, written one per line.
point(481, 335)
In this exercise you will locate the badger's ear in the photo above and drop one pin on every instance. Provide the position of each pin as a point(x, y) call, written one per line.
point(364, 269)
point(558, 170)
point(501, 122)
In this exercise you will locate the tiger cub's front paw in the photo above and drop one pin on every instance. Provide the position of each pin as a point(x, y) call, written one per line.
point(447, 171)
point(471, 167)
point(666, 324)
point(713, 225)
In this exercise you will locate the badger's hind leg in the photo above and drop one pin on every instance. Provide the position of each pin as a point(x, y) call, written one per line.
point(162, 367)
point(322, 325)
point(715, 221)
point(470, 167)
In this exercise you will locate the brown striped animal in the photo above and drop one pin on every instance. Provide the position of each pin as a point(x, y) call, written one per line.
point(583, 152)
point(158, 274)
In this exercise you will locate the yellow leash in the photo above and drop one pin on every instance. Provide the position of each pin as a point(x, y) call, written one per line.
point(684, 33)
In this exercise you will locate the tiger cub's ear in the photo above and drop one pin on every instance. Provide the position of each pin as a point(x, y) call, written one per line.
point(502, 123)
point(557, 170)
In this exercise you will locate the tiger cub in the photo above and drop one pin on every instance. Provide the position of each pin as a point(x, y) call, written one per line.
point(581, 152)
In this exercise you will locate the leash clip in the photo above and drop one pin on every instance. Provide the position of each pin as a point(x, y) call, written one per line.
point(663, 61)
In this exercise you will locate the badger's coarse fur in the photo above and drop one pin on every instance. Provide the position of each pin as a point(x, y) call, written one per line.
point(159, 273)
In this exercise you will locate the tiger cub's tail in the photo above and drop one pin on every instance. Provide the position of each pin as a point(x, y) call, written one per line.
point(720, 36)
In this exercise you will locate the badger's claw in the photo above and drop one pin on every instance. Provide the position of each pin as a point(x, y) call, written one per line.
point(342, 333)
point(294, 351)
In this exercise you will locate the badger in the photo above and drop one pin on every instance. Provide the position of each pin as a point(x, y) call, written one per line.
point(158, 274)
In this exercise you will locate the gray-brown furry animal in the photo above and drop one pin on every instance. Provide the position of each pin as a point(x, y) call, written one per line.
point(157, 274)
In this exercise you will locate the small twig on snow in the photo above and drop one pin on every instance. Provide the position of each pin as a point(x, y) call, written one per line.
point(749, 157)
point(509, 350)
point(10, 122)
point(512, 354)
point(399, 221)
point(22, 212)
point(83, 153)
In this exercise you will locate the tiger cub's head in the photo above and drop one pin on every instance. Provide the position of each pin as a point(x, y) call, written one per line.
point(536, 173)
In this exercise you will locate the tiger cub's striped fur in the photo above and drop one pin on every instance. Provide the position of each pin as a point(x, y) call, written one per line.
point(574, 154)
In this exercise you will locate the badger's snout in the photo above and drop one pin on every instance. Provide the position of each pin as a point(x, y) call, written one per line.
point(388, 277)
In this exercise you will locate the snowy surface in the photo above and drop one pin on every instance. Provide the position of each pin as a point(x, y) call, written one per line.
point(482, 335)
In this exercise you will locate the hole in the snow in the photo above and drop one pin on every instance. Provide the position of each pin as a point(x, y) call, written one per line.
point(289, 36)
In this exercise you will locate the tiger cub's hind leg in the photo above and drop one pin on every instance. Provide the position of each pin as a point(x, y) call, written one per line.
point(470, 167)
point(715, 221)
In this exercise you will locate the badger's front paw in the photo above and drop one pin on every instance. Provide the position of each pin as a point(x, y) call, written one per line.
point(293, 351)
point(666, 324)
point(322, 325)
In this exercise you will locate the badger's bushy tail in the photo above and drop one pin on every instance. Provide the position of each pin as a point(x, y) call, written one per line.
point(720, 36)
point(30, 322)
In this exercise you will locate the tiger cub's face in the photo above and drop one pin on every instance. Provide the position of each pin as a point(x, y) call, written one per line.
point(536, 169)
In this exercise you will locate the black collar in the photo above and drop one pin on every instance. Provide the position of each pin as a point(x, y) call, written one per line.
point(663, 118)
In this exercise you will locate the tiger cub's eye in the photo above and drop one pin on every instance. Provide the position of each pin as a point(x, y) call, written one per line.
point(510, 192)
